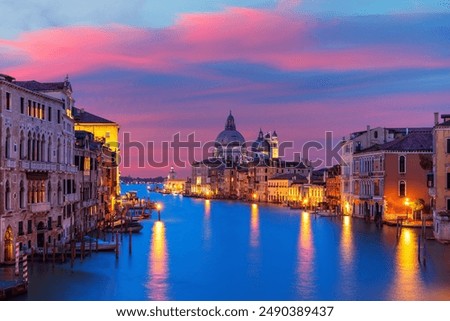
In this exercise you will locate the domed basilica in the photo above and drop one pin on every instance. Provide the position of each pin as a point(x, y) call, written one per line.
point(230, 144)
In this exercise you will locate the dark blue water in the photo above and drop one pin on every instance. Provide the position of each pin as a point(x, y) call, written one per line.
point(223, 250)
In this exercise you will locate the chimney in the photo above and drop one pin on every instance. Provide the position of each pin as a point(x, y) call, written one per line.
point(436, 119)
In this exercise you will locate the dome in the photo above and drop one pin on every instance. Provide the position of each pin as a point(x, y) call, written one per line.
point(230, 136)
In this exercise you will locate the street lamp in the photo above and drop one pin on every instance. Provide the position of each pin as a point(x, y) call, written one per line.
point(254, 197)
point(158, 207)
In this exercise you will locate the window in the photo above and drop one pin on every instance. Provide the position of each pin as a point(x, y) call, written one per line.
point(448, 204)
point(7, 196)
point(7, 143)
point(448, 180)
point(29, 227)
point(49, 223)
point(402, 189)
point(59, 116)
point(8, 101)
point(448, 145)
point(402, 164)
point(49, 113)
point(375, 134)
point(22, 195)
point(20, 232)
point(29, 108)
point(22, 105)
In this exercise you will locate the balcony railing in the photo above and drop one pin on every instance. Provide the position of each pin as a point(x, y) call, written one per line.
point(40, 207)
point(9, 163)
point(37, 166)
point(71, 197)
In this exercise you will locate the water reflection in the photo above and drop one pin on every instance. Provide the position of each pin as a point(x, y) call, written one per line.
point(346, 254)
point(207, 222)
point(158, 263)
point(254, 226)
point(407, 283)
point(347, 242)
point(305, 261)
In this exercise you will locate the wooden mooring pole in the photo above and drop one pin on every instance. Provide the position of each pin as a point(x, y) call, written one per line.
point(117, 245)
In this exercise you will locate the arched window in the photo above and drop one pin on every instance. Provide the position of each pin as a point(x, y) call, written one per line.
point(402, 189)
point(7, 196)
point(402, 164)
point(58, 151)
point(22, 195)
point(49, 192)
point(22, 146)
point(33, 148)
point(42, 151)
point(29, 146)
point(49, 150)
point(8, 143)
point(9, 245)
point(59, 193)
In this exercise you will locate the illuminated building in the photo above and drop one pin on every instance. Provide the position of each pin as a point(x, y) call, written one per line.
point(107, 132)
point(439, 182)
point(36, 164)
point(389, 179)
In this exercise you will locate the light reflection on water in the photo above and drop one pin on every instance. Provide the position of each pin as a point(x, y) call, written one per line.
point(158, 264)
point(207, 223)
point(407, 284)
point(347, 256)
point(254, 226)
point(305, 258)
point(223, 250)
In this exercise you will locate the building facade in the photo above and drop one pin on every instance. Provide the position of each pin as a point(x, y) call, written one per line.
point(439, 184)
point(37, 173)
point(389, 180)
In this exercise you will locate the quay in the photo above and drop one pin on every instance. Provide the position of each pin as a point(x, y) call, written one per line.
point(10, 284)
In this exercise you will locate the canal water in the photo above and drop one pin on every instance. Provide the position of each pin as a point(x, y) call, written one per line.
point(226, 250)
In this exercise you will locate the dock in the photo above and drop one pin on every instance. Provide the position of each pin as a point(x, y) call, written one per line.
point(10, 284)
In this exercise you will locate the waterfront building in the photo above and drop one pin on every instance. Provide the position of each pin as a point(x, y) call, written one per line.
point(37, 173)
point(173, 184)
point(89, 210)
point(356, 142)
point(439, 182)
point(389, 180)
point(333, 188)
point(232, 172)
point(105, 131)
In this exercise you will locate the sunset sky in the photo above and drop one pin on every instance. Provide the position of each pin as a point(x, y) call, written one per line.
point(298, 67)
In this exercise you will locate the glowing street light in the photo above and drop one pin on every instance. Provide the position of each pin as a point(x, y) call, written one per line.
point(407, 204)
point(159, 207)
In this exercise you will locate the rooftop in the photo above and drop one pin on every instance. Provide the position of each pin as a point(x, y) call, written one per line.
point(414, 141)
point(82, 116)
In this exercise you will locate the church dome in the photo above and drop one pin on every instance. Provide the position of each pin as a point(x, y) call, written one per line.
point(230, 136)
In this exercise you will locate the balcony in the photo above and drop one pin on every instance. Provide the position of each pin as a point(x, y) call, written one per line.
point(40, 207)
point(9, 163)
point(37, 166)
point(89, 203)
point(71, 197)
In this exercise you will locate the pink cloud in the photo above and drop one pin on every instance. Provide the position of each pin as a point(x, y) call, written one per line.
point(276, 38)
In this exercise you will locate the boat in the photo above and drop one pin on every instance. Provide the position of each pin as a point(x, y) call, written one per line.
point(126, 225)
